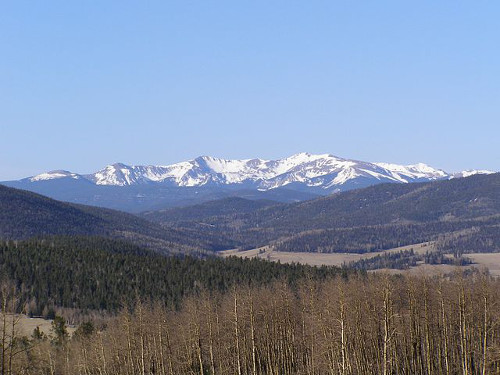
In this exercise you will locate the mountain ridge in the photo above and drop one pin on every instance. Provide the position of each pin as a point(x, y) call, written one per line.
point(325, 171)
point(299, 177)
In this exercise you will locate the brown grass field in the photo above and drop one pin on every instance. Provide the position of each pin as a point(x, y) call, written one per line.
point(490, 261)
point(319, 259)
point(26, 325)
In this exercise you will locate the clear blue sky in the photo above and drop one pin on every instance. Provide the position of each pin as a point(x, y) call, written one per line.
point(88, 83)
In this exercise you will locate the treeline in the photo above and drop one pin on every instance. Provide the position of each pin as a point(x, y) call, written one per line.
point(364, 325)
point(103, 274)
point(368, 239)
point(481, 239)
point(401, 260)
point(406, 259)
point(451, 238)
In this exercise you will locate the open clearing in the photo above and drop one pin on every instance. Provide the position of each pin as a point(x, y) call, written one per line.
point(26, 325)
point(320, 259)
point(491, 261)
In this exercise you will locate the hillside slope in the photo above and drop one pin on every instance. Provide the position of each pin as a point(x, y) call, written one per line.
point(24, 215)
point(457, 199)
point(377, 217)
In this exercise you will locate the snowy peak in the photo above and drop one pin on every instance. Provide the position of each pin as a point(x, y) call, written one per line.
point(324, 172)
point(117, 174)
point(53, 175)
point(420, 171)
point(469, 173)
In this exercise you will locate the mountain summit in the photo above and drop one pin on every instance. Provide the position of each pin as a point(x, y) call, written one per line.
point(325, 172)
point(136, 188)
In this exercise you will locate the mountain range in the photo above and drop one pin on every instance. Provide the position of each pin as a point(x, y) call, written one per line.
point(298, 177)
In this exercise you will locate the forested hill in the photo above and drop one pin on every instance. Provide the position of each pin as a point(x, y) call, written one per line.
point(24, 215)
point(456, 199)
point(98, 273)
point(377, 217)
point(461, 213)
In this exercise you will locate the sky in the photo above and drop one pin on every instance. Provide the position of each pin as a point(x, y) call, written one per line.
point(84, 84)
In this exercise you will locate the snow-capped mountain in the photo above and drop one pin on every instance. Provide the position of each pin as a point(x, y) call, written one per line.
point(321, 172)
point(54, 175)
point(298, 177)
point(469, 173)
